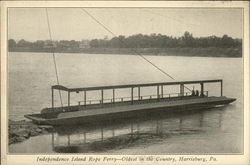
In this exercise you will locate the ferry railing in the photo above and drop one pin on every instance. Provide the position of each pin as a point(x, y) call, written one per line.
point(140, 98)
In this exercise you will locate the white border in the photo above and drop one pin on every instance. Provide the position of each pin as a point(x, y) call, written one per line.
point(31, 159)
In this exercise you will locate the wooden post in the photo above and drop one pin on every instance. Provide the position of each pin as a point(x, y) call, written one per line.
point(139, 93)
point(221, 88)
point(68, 98)
point(85, 95)
point(162, 91)
point(52, 94)
point(102, 96)
point(202, 89)
point(181, 89)
point(113, 95)
point(158, 92)
point(132, 95)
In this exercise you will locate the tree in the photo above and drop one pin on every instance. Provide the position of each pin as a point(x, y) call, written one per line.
point(227, 41)
point(23, 43)
point(187, 39)
point(94, 43)
point(11, 43)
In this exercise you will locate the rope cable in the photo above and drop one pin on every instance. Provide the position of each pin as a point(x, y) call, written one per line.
point(165, 73)
point(54, 58)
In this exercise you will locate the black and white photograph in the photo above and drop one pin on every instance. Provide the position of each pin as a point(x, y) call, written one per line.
point(123, 80)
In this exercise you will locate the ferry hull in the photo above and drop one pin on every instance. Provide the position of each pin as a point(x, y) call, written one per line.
point(128, 111)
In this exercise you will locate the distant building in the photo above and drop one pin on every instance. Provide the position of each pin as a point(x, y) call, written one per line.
point(84, 44)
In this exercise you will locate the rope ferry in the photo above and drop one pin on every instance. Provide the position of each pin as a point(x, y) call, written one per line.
point(135, 105)
point(88, 111)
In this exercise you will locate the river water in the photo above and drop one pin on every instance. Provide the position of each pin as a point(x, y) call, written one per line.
point(218, 130)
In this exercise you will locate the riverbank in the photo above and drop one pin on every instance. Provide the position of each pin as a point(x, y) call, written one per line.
point(234, 52)
point(23, 130)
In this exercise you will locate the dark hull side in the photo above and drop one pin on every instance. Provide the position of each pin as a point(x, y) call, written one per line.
point(129, 114)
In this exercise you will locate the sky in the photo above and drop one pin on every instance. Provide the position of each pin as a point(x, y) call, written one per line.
point(74, 24)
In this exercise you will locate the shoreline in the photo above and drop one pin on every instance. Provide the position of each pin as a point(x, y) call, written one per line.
point(19, 131)
point(183, 52)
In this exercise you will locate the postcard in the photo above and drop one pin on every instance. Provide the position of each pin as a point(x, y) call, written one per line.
point(126, 82)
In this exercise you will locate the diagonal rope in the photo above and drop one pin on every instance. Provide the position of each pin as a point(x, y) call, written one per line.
point(54, 58)
point(165, 73)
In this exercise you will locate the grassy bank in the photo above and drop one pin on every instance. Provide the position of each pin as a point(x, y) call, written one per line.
point(199, 52)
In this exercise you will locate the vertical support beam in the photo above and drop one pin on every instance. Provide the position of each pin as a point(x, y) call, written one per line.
point(158, 92)
point(181, 89)
point(113, 95)
point(68, 98)
point(202, 89)
point(162, 91)
point(132, 95)
point(139, 93)
point(85, 99)
point(52, 97)
point(102, 96)
point(221, 88)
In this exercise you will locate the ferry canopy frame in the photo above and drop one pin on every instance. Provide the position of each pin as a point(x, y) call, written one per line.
point(113, 87)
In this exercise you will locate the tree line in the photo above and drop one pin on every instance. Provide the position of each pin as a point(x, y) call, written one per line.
point(134, 41)
point(163, 41)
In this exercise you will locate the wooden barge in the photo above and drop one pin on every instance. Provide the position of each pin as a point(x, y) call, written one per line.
point(116, 108)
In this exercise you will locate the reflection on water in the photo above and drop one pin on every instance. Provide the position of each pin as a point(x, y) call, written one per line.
point(128, 133)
